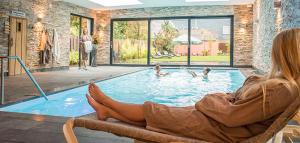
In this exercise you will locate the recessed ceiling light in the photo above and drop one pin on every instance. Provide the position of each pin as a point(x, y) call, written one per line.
point(205, 0)
point(116, 2)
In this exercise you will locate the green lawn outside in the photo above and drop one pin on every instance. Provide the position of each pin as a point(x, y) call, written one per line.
point(181, 59)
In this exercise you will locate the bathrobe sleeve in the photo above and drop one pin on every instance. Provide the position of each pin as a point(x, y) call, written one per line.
point(245, 111)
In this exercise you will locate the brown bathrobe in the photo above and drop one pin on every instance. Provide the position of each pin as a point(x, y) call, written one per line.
point(221, 117)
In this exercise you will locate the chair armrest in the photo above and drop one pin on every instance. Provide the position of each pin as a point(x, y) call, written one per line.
point(68, 131)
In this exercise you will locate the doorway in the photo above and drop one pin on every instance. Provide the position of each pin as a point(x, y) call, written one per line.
point(77, 24)
point(17, 44)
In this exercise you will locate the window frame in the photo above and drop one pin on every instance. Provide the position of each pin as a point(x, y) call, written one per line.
point(189, 18)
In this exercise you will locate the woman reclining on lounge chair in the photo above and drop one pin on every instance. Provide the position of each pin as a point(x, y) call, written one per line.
point(220, 117)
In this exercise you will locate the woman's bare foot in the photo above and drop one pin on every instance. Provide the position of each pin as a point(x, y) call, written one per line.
point(97, 94)
point(100, 109)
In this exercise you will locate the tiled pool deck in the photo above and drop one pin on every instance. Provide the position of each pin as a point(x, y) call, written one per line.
point(26, 128)
point(20, 87)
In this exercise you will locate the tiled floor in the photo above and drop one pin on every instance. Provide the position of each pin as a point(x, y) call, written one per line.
point(26, 128)
point(20, 87)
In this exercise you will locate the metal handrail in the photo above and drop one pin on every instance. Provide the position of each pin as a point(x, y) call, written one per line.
point(27, 72)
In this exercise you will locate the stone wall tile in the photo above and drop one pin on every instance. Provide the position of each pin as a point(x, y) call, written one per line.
point(268, 22)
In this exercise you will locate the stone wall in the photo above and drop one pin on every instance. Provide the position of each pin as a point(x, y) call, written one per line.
point(103, 29)
point(54, 15)
point(269, 21)
point(3, 35)
point(242, 26)
point(243, 34)
point(290, 14)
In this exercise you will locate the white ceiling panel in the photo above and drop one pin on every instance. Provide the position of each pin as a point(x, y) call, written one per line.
point(126, 4)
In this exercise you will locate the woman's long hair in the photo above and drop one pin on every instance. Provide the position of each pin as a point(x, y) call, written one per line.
point(285, 56)
point(285, 66)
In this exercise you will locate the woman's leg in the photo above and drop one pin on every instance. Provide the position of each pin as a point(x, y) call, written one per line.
point(84, 63)
point(133, 112)
point(104, 112)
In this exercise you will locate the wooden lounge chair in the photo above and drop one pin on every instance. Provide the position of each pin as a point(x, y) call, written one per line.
point(274, 132)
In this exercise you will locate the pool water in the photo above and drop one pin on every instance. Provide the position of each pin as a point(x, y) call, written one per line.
point(178, 88)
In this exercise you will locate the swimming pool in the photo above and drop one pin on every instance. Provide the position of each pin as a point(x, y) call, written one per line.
point(178, 88)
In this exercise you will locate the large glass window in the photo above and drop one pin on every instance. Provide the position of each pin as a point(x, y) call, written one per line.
point(169, 42)
point(210, 42)
point(172, 41)
point(130, 42)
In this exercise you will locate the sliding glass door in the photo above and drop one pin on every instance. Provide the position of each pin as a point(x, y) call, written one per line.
point(77, 25)
point(172, 41)
point(130, 42)
point(210, 41)
point(169, 42)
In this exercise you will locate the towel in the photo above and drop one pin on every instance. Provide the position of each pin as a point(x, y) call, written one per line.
point(43, 41)
point(88, 47)
point(56, 46)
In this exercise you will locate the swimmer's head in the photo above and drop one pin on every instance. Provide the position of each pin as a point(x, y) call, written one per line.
point(157, 67)
point(206, 71)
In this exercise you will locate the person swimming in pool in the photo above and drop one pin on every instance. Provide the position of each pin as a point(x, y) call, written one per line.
point(204, 73)
point(158, 71)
